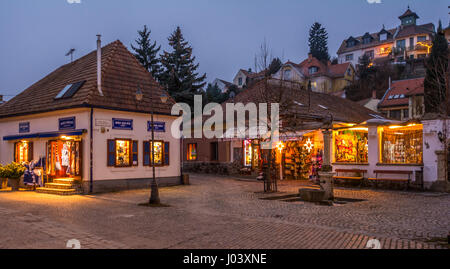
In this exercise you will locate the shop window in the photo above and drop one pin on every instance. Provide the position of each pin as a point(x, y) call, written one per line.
point(161, 152)
point(214, 151)
point(351, 146)
point(122, 152)
point(248, 152)
point(64, 158)
point(192, 152)
point(23, 151)
point(252, 153)
point(402, 145)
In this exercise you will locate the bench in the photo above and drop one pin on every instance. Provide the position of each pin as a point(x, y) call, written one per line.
point(392, 172)
point(360, 177)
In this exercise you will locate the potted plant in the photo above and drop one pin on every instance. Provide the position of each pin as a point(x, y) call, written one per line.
point(14, 171)
point(3, 178)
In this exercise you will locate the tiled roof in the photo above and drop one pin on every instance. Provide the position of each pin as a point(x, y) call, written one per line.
point(400, 90)
point(121, 73)
point(335, 70)
point(409, 30)
point(321, 105)
point(253, 75)
point(408, 13)
point(376, 42)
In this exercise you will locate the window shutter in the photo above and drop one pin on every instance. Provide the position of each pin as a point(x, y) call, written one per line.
point(111, 154)
point(166, 153)
point(146, 153)
point(134, 160)
point(15, 151)
point(30, 151)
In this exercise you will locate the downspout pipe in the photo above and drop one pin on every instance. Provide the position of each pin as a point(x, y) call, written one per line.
point(91, 152)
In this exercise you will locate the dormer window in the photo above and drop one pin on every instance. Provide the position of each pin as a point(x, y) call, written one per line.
point(313, 70)
point(351, 43)
point(240, 81)
point(383, 37)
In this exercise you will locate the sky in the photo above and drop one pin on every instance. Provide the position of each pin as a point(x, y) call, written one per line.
point(225, 34)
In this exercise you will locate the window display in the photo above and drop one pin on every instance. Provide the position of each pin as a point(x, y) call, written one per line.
point(351, 146)
point(402, 145)
point(64, 158)
point(23, 151)
point(192, 152)
point(123, 152)
point(251, 153)
point(161, 157)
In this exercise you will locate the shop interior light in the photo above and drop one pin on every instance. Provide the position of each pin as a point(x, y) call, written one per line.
point(309, 145)
point(280, 146)
point(359, 129)
point(396, 127)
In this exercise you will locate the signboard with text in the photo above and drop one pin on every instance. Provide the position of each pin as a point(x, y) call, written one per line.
point(158, 126)
point(67, 123)
point(24, 127)
point(122, 124)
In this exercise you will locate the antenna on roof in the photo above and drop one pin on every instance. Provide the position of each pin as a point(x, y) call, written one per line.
point(70, 52)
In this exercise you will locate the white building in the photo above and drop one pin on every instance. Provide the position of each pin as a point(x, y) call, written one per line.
point(91, 129)
point(407, 41)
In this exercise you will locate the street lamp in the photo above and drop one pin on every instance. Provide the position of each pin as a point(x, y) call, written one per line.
point(154, 194)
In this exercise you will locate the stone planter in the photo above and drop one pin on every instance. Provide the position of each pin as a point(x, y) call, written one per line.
point(3, 183)
point(14, 183)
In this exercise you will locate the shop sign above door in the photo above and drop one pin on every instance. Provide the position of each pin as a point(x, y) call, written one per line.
point(122, 124)
point(67, 123)
point(24, 127)
point(158, 126)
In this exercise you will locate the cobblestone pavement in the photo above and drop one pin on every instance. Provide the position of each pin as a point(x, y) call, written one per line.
point(219, 212)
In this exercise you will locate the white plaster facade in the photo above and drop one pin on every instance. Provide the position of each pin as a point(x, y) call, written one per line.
point(48, 122)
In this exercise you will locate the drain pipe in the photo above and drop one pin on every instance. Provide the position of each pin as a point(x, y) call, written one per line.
point(91, 152)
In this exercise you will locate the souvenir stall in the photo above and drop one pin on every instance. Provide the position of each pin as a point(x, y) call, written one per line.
point(402, 144)
point(351, 146)
point(301, 159)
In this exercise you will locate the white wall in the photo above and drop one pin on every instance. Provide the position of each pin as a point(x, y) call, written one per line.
point(48, 122)
point(43, 122)
point(140, 133)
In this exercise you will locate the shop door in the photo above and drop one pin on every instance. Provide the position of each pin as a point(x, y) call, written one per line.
point(64, 158)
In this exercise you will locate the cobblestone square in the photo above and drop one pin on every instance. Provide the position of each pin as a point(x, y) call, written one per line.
point(220, 212)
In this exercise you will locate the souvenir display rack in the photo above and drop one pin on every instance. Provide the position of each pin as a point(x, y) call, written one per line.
point(402, 146)
point(351, 147)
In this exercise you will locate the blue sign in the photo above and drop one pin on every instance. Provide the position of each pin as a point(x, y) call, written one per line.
point(158, 126)
point(24, 127)
point(67, 123)
point(122, 124)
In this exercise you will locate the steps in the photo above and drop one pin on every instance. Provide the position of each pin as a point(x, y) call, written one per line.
point(61, 186)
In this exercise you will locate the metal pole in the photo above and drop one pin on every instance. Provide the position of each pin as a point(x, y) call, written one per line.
point(154, 195)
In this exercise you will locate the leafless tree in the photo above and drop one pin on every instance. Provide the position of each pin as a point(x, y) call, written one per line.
point(263, 58)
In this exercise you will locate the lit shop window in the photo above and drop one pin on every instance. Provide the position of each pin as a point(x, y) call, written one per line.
point(402, 144)
point(23, 151)
point(192, 152)
point(122, 153)
point(251, 153)
point(351, 146)
point(161, 152)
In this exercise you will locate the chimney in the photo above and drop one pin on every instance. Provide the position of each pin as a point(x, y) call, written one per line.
point(374, 94)
point(1, 98)
point(99, 65)
point(390, 83)
point(310, 56)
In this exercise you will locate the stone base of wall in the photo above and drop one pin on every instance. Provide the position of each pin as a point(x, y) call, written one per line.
point(101, 186)
point(439, 186)
point(211, 168)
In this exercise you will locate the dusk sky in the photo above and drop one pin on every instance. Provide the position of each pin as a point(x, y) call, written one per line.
point(225, 34)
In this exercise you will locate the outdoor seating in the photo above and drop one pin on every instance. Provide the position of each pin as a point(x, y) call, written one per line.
point(377, 178)
point(357, 175)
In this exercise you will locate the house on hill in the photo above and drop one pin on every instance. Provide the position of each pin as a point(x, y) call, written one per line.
point(324, 77)
point(87, 126)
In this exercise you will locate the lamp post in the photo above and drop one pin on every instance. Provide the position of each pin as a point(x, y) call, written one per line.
point(154, 194)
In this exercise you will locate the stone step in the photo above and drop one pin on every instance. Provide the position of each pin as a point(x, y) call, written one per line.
point(64, 180)
point(58, 191)
point(61, 186)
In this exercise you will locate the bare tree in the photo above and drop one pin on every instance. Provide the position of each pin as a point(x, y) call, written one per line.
point(263, 58)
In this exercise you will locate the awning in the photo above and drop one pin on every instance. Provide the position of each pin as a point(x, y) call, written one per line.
point(44, 135)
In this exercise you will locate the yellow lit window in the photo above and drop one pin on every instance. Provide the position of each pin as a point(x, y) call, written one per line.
point(350, 146)
point(402, 145)
point(123, 152)
point(192, 152)
point(23, 152)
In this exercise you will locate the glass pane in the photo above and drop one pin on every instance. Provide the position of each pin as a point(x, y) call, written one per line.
point(122, 152)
